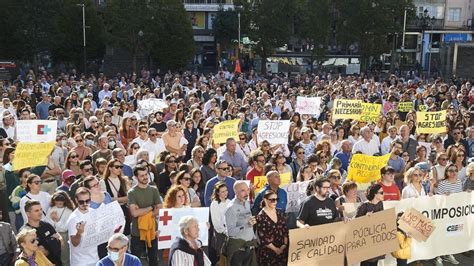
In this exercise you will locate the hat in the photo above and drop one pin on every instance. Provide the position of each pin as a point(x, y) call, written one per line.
point(67, 174)
point(423, 166)
point(387, 169)
point(305, 129)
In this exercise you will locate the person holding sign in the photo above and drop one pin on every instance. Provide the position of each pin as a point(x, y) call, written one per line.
point(404, 240)
point(318, 208)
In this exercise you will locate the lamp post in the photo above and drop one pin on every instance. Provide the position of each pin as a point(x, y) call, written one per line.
point(425, 22)
point(238, 49)
point(84, 35)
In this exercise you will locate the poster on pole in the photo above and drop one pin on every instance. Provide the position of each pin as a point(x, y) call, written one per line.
point(308, 105)
point(273, 131)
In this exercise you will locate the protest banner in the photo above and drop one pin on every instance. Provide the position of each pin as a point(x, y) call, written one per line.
point(422, 107)
point(274, 131)
point(318, 245)
point(405, 107)
point(370, 112)
point(225, 130)
point(259, 182)
point(371, 236)
point(350, 209)
point(285, 178)
point(364, 168)
point(169, 229)
point(29, 154)
point(308, 105)
point(416, 224)
point(101, 224)
point(347, 109)
point(36, 130)
point(453, 217)
point(296, 194)
point(149, 106)
point(431, 122)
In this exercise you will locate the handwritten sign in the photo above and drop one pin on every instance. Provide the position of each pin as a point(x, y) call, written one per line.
point(36, 130)
point(308, 105)
point(431, 122)
point(259, 182)
point(405, 107)
point(370, 112)
point(371, 236)
point(169, 229)
point(416, 224)
point(364, 168)
point(101, 224)
point(347, 109)
point(225, 130)
point(274, 131)
point(296, 194)
point(149, 106)
point(29, 154)
point(318, 245)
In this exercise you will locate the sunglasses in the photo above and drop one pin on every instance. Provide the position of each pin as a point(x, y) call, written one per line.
point(87, 169)
point(273, 200)
point(224, 168)
point(136, 148)
point(84, 202)
point(38, 182)
point(74, 156)
point(33, 241)
point(79, 140)
point(380, 192)
point(187, 178)
point(118, 166)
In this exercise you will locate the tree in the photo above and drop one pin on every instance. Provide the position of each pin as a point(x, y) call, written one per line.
point(225, 26)
point(371, 25)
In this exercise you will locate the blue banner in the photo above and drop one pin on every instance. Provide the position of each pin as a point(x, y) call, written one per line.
point(457, 37)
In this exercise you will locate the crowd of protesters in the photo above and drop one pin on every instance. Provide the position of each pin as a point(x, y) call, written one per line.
point(108, 150)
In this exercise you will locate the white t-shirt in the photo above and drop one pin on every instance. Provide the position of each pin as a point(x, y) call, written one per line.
point(42, 197)
point(80, 256)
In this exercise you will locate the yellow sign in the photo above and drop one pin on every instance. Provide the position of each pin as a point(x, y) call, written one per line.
point(364, 168)
point(285, 179)
point(198, 19)
point(225, 130)
point(258, 183)
point(29, 154)
point(405, 107)
point(422, 108)
point(347, 109)
point(370, 112)
point(431, 122)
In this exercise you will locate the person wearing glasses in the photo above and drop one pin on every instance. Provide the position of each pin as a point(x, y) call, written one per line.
point(387, 181)
point(117, 248)
point(81, 255)
point(325, 207)
point(373, 204)
point(86, 170)
point(272, 232)
point(273, 184)
point(154, 145)
point(81, 149)
point(33, 186)
point(234, 158)
point(437, 171)
point(414, 187)
point(223, 172)
point(30, 252)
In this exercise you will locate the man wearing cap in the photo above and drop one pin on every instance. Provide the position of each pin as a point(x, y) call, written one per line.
point(42, 108)
point(387, 181)
point(68, 178)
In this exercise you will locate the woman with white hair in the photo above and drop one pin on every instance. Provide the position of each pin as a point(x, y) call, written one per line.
point(469, 183)
point(117, 253)
point(186, 251)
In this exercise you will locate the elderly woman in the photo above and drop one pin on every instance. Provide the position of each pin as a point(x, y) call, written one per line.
point(30, 252)
point(197, 154)
point(186, 250)
point(469, 183)
point(117, 252)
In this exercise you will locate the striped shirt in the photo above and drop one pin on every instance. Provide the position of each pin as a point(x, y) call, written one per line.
point(446, 187)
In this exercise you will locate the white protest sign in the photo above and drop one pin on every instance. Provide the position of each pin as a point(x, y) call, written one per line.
point(308, 105)
point(296, 194)
point(274, 131)
point(102, 223)
point(427, 145)
point(169, 229)
point(148, 106)
point(453, 217)
point(36, 130)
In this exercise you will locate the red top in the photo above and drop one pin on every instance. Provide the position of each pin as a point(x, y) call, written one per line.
point(390, 192)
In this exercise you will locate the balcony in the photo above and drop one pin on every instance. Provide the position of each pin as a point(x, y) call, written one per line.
point(207, 5)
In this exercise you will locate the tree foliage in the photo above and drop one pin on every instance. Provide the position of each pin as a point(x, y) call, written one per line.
point(225, 26)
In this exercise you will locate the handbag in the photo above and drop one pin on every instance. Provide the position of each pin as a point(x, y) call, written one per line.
point(219, 241)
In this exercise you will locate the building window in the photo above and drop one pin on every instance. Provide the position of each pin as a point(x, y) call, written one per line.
point(454, 14)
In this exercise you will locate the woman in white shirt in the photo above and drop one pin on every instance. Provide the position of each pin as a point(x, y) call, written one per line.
point(414, 188)
point(61, 207)
point(33, 185)
point(218, 207)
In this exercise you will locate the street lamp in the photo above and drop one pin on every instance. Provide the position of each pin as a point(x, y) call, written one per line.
point(238, 49)
point(425, 22)
point(84, 35)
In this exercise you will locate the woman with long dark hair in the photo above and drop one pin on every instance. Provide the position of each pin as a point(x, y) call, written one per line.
point(208, 168)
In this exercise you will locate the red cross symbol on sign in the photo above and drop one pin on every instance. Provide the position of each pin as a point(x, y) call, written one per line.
point(165, 218)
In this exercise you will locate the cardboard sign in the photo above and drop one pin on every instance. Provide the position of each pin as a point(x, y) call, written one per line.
point(347, 109)
point(370, 112)
point(225, 130)
point(168, 225)
point(296, 194)
point(431, 122)
point(36, 130)
point(371, 236)
point(308, 105)
point(364, 168)
point(259, 182)
point(29, 154)
point(274, 131)
point(318, 245)
point(405, 107)
point(415, 223)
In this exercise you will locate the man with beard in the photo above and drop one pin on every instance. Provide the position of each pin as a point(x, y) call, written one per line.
point(318, 208)
point(144, 202)
point(159, 124)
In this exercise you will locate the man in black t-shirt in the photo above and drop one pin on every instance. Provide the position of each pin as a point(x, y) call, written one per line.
point(159, 124)
point(49, 241)
point(318, 208)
